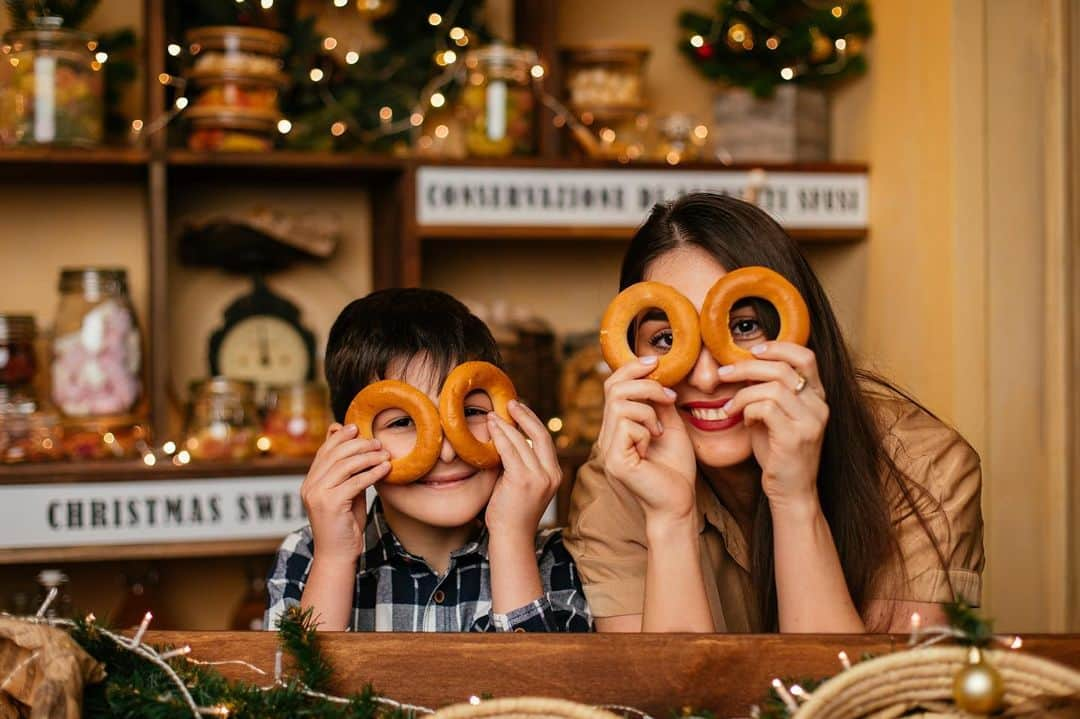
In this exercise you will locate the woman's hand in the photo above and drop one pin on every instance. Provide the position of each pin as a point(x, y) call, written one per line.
point(644, 445)
point(343, 468)
point(786, 413)
point(531, 473)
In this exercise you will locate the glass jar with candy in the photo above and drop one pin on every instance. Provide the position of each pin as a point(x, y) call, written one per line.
point(222, 422)
point(97, 347)
point(297, 418)
point(497, 102)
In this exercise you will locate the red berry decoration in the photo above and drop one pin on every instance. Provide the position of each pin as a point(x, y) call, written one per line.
point(705, 52)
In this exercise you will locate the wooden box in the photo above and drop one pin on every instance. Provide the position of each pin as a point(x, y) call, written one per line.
point(791, 126)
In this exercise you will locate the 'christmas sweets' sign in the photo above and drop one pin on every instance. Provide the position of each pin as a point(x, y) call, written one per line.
point(567, 197)
point(84, 513)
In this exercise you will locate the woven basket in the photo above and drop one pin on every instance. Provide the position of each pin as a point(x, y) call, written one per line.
point(890, 685)
point(523, 708)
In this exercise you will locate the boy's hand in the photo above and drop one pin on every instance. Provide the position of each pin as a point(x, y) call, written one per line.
point(530, 477)
point(342, 469)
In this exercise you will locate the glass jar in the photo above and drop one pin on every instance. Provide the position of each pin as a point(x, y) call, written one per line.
point(97, 349)
point(232, 50)
point(237, 92)
point(497, 102)
point(604, 81)
point(214, 130)
point(297, 419)
point(28, 434)
point(51, 88)
point(18, 361)
point(222, 421)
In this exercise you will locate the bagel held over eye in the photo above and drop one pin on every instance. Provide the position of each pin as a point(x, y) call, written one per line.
point(392, 394)
point(465, 378)
point(681, 315)
point(741, 284)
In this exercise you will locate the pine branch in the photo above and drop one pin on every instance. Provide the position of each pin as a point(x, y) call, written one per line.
point(300, 639)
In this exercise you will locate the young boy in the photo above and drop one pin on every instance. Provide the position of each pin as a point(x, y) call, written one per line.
point(457, 550)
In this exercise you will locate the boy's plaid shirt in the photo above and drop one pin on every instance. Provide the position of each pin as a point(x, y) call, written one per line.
point(398, 591)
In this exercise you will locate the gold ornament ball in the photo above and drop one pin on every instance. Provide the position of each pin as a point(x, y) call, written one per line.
point(740, 37)
point(978, 688)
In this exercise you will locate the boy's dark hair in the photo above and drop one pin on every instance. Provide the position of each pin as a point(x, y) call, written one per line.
point(399, 324)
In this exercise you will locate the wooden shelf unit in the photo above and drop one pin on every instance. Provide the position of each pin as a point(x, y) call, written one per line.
point(397, 256)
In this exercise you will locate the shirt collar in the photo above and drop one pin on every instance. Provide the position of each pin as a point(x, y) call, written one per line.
point(383, 546)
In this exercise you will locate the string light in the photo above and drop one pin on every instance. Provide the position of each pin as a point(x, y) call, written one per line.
point(341, 3)
point(456, 33)
point(284, 126)
point(416, 119)
point(441, 131)
point(673, 158)
point(462, 41)
point(329, 43)
point(53, 591)
point(182, 457)
point(316, 74)
point(181, 102)
point(337, 130)
point(607, 135)
point(449, 57)
point(386, 113)
point(697, 40)
point(1016, 643)
point(174, 49)
point(352, 57)
point(267, 4)
point(92, 45)
point(537, 71)
point(169, 447)
point(181, 652)
point(141, 630)
point(916, 621)
point(438, 99)
point(772, 43)
point(837, 11)
point(474, 700)
point(844, 661)
point(149, 459)
point(701, 132)
point(108, 438)
point(164, 78)
point(277, 666)
point(784, 695)
point(434, 19)
point(555, 424)
point(263, 443)
point(841, 44)
point(787, 73)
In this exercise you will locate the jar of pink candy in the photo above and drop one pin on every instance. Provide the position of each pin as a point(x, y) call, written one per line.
point(97, 349)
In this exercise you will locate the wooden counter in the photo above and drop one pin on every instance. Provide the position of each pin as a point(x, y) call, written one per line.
point(654, 672)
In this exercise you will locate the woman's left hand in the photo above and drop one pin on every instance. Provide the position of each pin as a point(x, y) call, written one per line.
point(786, 413)
point(531, 473)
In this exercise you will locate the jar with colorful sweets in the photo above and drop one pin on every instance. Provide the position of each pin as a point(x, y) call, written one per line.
point(213, 130)
point(97, 348)
point(28, 434)
point(225, 50)
point(605, 81)
point(18, 361)
point(239, 93)
point(51, 89)
point(297, 418)
point(497, 102)
point(222, 422)
point(107, 438)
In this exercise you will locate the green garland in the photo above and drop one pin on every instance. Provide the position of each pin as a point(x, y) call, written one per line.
point(136, 687)
point(759, 44)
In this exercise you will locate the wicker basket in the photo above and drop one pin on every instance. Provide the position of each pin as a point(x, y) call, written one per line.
point(896, 683)
point(523, 708)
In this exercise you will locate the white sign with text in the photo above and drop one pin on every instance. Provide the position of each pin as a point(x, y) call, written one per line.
point(64, 515)
point(554, 197)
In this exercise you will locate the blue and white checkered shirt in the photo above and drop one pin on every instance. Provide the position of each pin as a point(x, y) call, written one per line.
point(398, 592)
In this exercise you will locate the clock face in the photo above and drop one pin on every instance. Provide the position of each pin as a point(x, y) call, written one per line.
point(266, 350)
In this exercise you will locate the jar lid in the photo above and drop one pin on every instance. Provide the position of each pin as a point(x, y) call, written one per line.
point(500, 55)
point(17, 328)
point(210, 78)
point(77, 278)
point(46, 35)
point(234, 38)
point(221, 385)
point(606, 52)
point(233, 118)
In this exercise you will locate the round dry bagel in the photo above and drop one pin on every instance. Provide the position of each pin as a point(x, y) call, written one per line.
point(392, 394)
point(681, 314)
point(738, 285)
point(466, 378)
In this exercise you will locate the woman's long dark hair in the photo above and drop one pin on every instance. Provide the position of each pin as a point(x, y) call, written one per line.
point(854, 497)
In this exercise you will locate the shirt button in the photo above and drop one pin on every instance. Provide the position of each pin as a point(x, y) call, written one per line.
point(439, 596)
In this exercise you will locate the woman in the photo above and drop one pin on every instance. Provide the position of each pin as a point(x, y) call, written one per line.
point(789, 492)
